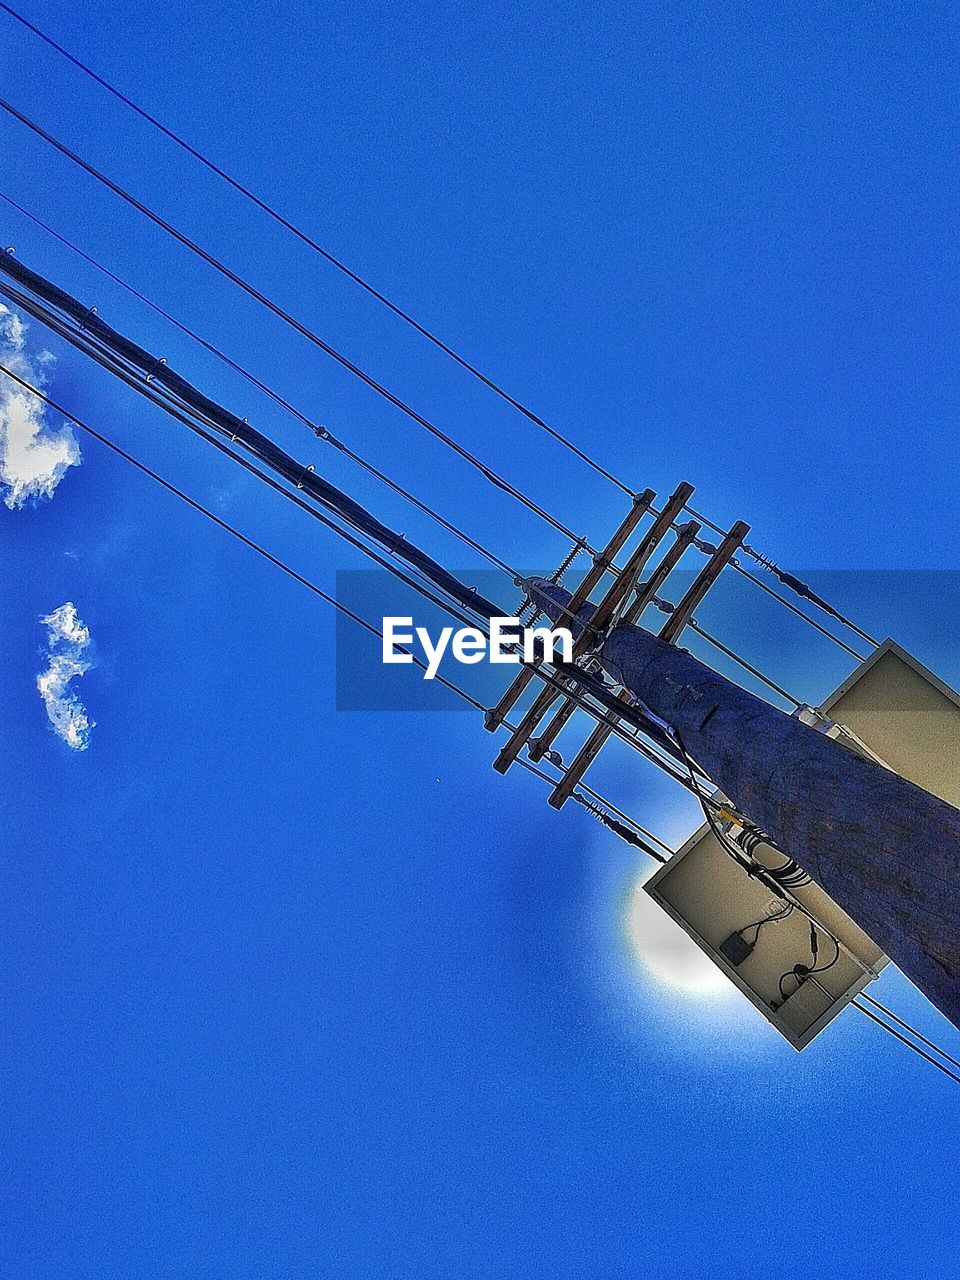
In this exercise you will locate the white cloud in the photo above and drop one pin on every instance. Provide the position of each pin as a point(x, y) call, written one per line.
point(34, 457)
point(63, 624)
point(68, 645)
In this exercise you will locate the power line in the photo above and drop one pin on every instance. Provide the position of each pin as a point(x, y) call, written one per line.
point(789, 580)
point(606, 817)
point(799, 612)
point(303, 477)
point(903, 1040)
point(189, 404)
point(311, 243)
point(316, 590)
point(327, 436)
point(592, 804)
point(322, 433)
point(487, 472)
point(907, 1027)
point(735, 657)
point(99, 341)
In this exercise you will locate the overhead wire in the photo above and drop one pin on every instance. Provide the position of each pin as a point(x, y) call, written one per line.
point(295, 473)
point(153, 387)
point(860, 657)
point(452, 686)
point(735, 657)
point(321, 432)
point(907, 1027)
point(492, 476)
point(313, 244)
point(324, 434)
point(795, 584)
point(622, 831)
point(791, 581)
point(595, 798)
point(909, 1043)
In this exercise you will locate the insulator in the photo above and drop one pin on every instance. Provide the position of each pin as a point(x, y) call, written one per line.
point(568, 561)
point(760, 558)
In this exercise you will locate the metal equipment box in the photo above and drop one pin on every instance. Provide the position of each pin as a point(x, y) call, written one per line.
point(892, 708)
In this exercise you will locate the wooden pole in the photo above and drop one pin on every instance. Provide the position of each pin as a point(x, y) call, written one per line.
point(885, 850)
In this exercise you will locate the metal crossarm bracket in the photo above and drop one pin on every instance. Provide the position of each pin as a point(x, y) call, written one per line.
point(641, 505)
point(591, 748)
point(704, 580)
point(615, 594)
point(645, 593)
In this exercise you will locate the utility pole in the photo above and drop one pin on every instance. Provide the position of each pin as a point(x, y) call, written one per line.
point(886, 851)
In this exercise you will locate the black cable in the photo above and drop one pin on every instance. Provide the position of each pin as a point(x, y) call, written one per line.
point(488, 473)
point(308, 240)
point(158, 373)
point(799, 612)
point(754, 870)
point(320, 432)
point(620, 829)
point(903, 1040)
point(492, 476)
point(619, 813)
point(291, 572)
point(101, 349)
point(94, 329)
point(248, 542)
point(758, 924)
point(788, 579)
point(801, 971)
point(295, 473)
point(907, 1027)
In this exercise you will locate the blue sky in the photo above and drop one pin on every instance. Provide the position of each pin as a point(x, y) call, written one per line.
point(296, 992)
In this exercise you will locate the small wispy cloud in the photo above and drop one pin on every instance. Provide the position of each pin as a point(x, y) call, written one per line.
point(69, 656)
point(34, 456)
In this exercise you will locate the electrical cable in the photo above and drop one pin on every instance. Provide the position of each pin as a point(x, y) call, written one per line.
point(789, 580)
point(298, 577)
point(234, 428)
point(311, 243)
point(801, 971)
point(907, 1027)
point(735, 657)
point(753, 869)
point(618, 828)
point(322, 433)
point(96, 329)
point(903, 1040)
point(759, 924)
point(325, 254)
point(860, 657)
point(488, 473)
point(475, 703)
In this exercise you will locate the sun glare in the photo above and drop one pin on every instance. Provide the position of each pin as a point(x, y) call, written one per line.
point(664, 949)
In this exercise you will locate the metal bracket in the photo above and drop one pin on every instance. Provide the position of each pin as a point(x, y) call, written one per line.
point(644, 595)
point(616, 592)
point(704, 580)
point(641, 505)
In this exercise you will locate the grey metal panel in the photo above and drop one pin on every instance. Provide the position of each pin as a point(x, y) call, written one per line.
point(911, 719)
